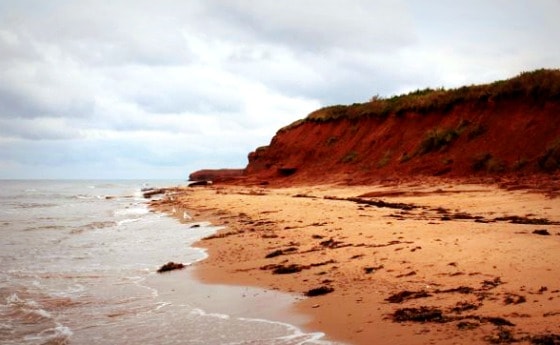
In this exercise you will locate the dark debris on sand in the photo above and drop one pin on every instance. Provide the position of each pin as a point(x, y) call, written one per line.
point(546, 339)
point(422, 314)
point(322, 290)
point(279, 252)
point(170, 266)
point(542, 232)
point(406, 295)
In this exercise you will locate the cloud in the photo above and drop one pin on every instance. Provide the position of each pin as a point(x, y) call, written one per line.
point(320, 26)
point(126, 88)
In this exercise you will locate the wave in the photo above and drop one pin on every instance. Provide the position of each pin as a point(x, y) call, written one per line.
point(27, 321)
point(45, 227)
point(33, 205)
point(292, 334)
point(96, 225)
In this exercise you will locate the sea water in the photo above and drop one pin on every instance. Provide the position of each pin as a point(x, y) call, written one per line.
point(78, 263)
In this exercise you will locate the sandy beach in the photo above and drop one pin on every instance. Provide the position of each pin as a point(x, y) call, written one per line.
point(400, 263)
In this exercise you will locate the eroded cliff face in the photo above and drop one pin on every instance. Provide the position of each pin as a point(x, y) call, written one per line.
point(505, 128)
point(516, 135)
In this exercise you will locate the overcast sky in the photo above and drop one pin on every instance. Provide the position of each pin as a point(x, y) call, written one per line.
point(158, 89)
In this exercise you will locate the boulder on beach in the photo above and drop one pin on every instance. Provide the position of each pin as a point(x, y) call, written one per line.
point(170, 266)
point(148, 193)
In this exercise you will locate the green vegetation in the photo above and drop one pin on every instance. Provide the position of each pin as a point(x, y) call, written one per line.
point(539, 85)
point(476, 131)
point(331, 141)
point(495, 165)
point(489, 163)
point(480, 162)
point(350, 157)
point(520, 163)
point(447, 161)
point(385, 159)
point(437, 139)
point(550, 159)
point(405, 157)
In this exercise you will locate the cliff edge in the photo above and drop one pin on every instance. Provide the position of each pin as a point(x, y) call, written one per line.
point(509, 127)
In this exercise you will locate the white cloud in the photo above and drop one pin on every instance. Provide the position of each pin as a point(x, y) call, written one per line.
point(171, 86)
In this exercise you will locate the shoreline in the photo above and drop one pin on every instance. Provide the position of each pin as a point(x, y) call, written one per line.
point(226, 299)
point(450, 251)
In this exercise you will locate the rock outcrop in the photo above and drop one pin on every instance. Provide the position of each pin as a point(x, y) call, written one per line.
point(216, 175)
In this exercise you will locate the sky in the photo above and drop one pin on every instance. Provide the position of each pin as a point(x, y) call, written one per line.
point(145, 89)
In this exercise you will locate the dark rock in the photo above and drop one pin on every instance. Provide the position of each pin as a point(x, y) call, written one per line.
point(151, 192)
point(466, 325)
point(293, 268)
point(422, 314)
point(409, 274)
point(461, 289)
point(464, 306)
point(381, 203)
point(504, 336)
point(514, 299)
point(369, 270)
point(526, 220)
point(546, 339)
point(542, 232)
point(330, 243)
point(274, 254)
point(199, 183)
point(170, 266)
point(406, 295)
point(497, 321)
point(490, 284)
point(216, 175)
point(280, 252)
point(323, 290)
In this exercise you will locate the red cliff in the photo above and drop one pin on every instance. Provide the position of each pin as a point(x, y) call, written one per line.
point(509, 127)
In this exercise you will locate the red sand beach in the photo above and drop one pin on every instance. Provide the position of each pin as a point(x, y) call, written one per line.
point(401, 263)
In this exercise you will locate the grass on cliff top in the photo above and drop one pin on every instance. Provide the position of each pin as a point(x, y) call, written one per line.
point(542, 84)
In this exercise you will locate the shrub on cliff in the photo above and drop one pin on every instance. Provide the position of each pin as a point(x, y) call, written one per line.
point(437, 140)
point(542, 85)
point(550, 159)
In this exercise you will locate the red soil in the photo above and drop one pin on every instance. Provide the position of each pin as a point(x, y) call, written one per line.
point(488, 138)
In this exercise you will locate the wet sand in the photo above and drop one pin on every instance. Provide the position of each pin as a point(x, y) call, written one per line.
point(392, 264)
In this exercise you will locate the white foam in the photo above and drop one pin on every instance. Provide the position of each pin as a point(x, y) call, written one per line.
point(59, 334)
point(162, 305)
point(136, 211)
point(14, 299)
point(297, 334)
point(137, 280)
point(6, 326)
point(42, 313)
point(63, 330)
point(126, 221)
point(200, 312)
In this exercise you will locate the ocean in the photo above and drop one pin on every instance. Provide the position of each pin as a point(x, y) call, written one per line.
point(78, 263)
